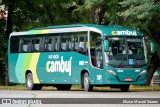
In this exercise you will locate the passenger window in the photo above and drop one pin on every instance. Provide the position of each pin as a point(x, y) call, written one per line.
point(27, 45)
point(15, 44)
point(52, 43)
point(67, 43)
point(82, 43)
point(63, 43)
point(70, 42)
point(49, 44)
point(57, 43)
point(80, 40)
point(75, 43)
point(36, 45)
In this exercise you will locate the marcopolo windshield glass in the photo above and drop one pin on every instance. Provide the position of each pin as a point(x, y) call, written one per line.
point(126, 51)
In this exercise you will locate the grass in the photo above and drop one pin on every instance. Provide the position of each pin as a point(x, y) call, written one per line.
point(137, 87)
point(14, 87)
point(78, 87)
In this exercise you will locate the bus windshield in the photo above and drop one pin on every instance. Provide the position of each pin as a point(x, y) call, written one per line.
point(126, 51)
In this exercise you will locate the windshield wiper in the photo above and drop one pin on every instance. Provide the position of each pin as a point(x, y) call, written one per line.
point(124, 58)
point(119, 64)
point(136, 61)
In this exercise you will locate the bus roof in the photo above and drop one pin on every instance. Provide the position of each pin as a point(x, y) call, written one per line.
point(103, 29)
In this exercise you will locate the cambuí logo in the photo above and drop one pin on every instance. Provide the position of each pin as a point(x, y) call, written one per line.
point(59, 65)
point(125, 32)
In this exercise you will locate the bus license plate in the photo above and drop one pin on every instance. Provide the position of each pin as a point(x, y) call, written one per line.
point(128, 79)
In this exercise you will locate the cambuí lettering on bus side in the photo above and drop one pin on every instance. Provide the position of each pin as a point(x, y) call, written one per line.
point(59, 66)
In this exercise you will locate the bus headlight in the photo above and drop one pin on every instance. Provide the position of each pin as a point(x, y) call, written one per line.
point(111, 72)
point(143, 72)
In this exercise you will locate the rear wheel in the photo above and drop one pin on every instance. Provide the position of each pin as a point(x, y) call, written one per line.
point(86, 81)
point(29, 83)
point(124, 88)
point(64, 87)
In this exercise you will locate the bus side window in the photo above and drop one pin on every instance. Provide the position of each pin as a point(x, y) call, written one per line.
point(76, 43)
point(37, 44)
point(67, 43)
point(57, 43)
point(63, 43)
point(48, 44)
point(27, 45)
point(70, 42)
point(30, 45)
point(79, 42)
point(42, 49)
point(20, 44)
point(82, 44)
point(52, 43)
point(15, 42)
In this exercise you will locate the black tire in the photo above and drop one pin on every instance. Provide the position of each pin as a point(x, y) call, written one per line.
point(64, 87)
point(86, 80)
point(124, 88)
point(29, 83)
point(82, 81)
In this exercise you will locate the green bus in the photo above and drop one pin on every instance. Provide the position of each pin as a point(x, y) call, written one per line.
point(86, 54)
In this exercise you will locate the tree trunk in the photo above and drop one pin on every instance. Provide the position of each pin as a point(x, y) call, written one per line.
point(9, 18)
point(9, 27)
point(1, 76)
point(155, 61)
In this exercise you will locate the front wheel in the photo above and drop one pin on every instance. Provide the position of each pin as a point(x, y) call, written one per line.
point(30, 84)
point(86, 81)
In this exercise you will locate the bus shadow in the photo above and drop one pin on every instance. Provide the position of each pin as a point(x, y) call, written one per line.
point(95, 90)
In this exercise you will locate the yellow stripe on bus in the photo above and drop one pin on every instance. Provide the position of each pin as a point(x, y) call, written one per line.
point(33, 65)
point(44, 31)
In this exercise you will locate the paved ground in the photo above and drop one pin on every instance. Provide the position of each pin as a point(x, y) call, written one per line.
point(77, 98)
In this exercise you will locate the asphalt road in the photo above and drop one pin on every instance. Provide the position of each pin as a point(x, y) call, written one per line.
point(26, 98)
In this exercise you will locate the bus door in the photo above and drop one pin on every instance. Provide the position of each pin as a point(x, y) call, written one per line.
point(96, 50)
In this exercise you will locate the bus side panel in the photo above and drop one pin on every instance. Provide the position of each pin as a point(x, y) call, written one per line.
point(61, 68)
point(80, 62)
point(15, 67)
point(19, 64)
point(96, 75)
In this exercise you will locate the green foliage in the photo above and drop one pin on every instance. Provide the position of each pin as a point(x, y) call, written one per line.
point(141, 9)
point(144, 12)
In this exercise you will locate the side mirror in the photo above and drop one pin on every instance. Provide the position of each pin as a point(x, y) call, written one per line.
point(153, 47)
point(106, 45)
